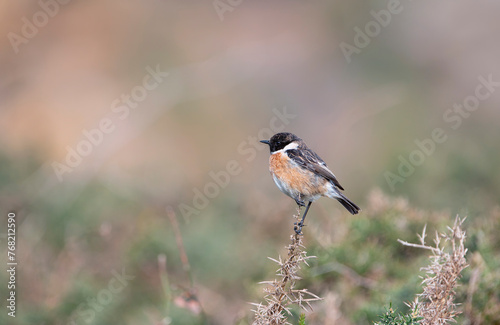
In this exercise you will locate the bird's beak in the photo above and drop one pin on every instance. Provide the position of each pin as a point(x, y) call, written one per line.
point(265, 141)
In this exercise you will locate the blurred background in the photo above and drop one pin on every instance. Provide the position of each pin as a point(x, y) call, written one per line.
point(129, 153)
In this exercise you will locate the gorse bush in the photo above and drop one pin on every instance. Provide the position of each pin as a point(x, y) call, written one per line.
point(281, 292)
point(434, 305)
point(390, 317)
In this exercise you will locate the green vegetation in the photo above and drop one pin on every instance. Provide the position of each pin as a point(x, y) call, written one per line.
point(390, 317)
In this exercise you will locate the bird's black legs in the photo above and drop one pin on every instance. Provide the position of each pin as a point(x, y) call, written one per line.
point(300, 203)
point(298, 227)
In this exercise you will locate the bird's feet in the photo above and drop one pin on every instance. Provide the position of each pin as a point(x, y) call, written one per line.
point(298, 227)
point(300, 203)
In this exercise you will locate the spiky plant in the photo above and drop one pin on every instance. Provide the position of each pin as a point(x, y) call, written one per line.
point(436, 303)
point(281, 292)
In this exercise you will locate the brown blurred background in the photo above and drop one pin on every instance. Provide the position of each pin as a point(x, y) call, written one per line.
point(223, 71)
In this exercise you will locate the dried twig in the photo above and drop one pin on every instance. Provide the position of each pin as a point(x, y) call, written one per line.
point(180, 245)
point(280, 293)
point(188, 298)
point(436, 303)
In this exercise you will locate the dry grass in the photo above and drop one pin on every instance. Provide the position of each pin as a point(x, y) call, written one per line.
point(436, 303)
point(281, 292)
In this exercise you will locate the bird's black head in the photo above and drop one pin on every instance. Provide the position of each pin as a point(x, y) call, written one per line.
point(281, 140)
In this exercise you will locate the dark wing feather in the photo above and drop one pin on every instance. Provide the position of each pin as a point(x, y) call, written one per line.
point(309, 160)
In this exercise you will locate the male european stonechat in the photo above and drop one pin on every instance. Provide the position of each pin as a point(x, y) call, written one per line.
point(302, 175)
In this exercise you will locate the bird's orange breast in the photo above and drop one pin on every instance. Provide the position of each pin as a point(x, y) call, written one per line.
point(297, 178)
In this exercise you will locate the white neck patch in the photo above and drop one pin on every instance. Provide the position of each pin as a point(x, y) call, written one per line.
point(290, 146)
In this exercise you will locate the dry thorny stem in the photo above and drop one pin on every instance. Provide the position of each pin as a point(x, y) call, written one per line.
point(435, 304)
point(280, 293)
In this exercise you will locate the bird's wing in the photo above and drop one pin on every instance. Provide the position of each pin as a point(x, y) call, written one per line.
point(309, 160)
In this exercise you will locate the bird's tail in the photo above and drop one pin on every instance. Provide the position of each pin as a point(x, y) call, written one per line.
point(348, 204)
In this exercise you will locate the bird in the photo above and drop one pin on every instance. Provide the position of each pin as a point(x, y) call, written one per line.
point(302, 175)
